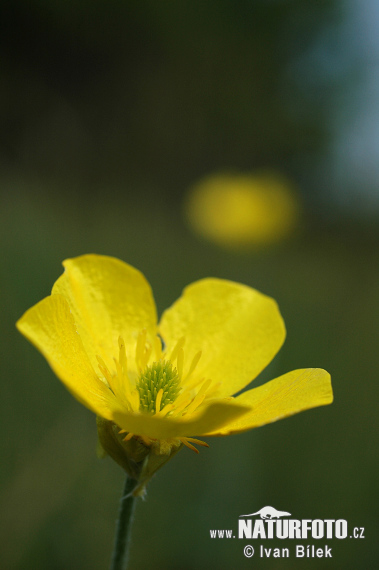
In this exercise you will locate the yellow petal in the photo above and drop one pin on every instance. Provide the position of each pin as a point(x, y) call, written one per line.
point(50, 326)
point(108, 299)
point(287, 395)
point(238, 330)
point(212, 417)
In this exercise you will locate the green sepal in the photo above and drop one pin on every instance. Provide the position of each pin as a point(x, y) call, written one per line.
point(140, 461)
point(100, 451)
point(129, 455)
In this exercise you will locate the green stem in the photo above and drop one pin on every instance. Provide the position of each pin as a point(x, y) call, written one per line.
point(123, 528)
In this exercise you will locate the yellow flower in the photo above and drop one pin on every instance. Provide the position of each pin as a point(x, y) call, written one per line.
point(157, 386)
point(242, 211)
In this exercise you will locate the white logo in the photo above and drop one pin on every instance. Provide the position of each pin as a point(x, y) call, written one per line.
point(269, 513)
point(276, 524)
point(269, 523)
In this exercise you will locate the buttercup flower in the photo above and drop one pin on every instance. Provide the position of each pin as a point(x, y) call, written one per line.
point(157, 387)
point(243, 211)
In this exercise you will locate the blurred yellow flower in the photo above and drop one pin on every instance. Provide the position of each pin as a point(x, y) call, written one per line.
point(241, 211)
point(156, 386)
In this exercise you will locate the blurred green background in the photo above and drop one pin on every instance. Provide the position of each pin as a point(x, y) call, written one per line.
point(109, 112)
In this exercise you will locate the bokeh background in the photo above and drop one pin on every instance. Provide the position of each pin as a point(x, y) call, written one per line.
point(110, 112)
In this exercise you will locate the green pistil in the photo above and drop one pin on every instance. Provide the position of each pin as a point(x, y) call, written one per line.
point(159, 375)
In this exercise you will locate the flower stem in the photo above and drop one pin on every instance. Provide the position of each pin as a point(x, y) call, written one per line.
point(123, 528)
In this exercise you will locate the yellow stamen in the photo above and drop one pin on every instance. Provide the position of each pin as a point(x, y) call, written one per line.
point(197, 441)
point(104, 370)
point(140, 347)
point(128, 437)
point(194, 384)
point(194, 363)
point(187, 440)
point(204, 387)
point(118, 368)
point(120, 385)
point(158, 401)
point(158, 347)
point(117, 384)
point(180, 362)
point(146, 355)
point(164, 411)
point(187, 444)
point(178, 345)
point(135, 399)
point(196, 402)
point(199, 398)
point(179, 408)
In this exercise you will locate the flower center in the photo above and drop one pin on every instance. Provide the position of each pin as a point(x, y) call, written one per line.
point(159, 377)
